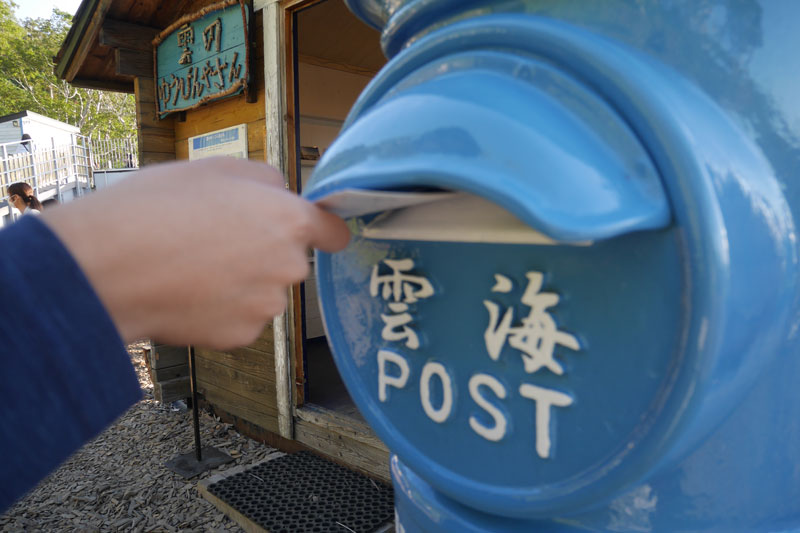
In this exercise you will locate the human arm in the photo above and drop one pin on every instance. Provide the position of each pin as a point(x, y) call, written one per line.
point(64, 371)
point(157, 256)
point(198, 253)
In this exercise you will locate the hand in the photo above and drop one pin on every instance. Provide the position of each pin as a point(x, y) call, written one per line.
point(195, 253)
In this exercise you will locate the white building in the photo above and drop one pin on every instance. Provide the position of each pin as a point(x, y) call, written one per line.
point(43, 131)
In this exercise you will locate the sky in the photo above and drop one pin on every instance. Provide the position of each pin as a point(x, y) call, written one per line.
point(43, 8)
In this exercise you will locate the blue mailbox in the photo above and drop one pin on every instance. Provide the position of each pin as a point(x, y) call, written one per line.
point(571, 299)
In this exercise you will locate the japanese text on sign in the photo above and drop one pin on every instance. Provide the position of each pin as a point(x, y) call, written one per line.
point(400, 289)
point(202, 59)
point(535, 337)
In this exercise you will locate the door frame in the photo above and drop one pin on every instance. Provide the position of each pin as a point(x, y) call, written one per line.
point(282, 152)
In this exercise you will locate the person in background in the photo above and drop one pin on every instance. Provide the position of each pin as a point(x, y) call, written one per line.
point(20, 195)
point(150, 257)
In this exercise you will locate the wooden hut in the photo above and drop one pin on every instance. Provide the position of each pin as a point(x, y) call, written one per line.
point(303, 64)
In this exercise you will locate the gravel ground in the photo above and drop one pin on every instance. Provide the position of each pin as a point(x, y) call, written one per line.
point(118, 481)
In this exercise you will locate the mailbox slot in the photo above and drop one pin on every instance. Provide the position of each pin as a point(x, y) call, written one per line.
point(434, 216)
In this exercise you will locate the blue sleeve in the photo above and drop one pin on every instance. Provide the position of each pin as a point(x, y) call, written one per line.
point(64, 371)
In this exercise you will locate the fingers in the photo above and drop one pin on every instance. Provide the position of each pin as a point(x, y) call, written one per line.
point(326, 231)
point(221, 167)
point(329, 233)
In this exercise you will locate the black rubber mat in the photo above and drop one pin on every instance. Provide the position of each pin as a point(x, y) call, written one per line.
point(301, 492)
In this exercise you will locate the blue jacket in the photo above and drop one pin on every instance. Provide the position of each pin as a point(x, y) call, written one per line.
point(64, 371)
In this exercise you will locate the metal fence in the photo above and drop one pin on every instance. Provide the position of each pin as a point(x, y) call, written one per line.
point(45, 167)
point(114, 153)
point(51, 169)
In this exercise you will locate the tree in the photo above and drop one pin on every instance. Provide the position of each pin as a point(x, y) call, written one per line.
point(28, 81)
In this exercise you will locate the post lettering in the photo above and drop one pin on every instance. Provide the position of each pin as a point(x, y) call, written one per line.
point(498, 431)
point(544, 398)
point(441, 414)
point(384, 379)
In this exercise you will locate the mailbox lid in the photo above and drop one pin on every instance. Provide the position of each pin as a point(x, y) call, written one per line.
point(512, 130)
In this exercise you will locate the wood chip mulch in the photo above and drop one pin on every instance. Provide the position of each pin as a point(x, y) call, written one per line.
point(118, 481)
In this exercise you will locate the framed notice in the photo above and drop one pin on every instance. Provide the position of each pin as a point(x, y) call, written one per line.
point(203, 56)
point(231, 142)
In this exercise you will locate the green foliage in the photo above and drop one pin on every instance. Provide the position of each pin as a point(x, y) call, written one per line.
point(27, 81)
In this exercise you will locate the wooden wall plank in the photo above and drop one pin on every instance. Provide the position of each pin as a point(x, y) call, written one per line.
point(247, 360)
point(230, 402)
point(171, 372)
point(146, 92)
point(258, 155)
point(182, 149)
point(370, 460)
point(146, 112)
point(167, 355)
point(152, 158)
point(156, 137)
point(133, 62)
point(263, 416)
point(341, 425)
point(103, 85)
point(172, 390)
point(254, 431)
point(265, 341)
point(256, 131)
point(260, 391)
point(121, 34)
point(221, 114)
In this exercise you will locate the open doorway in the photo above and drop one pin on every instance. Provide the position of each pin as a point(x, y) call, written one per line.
point(334, 56)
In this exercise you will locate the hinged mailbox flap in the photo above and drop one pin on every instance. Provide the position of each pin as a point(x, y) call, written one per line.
point(512, 131)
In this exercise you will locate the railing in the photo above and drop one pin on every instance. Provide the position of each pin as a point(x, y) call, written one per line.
point(114, 153)
point(51, 168)
point(45, 167)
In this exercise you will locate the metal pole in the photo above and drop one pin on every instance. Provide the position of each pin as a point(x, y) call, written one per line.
point(184, 464)
point(55, 167)
point(33, 170)
point(5, 181)
point(73, 152)
point(58, 190)
point(195, 415)
point(87, 163)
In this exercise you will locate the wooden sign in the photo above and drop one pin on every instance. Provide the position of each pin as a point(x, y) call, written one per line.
point(202, 57)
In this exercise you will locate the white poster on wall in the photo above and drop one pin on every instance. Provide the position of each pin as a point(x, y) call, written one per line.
point(230, 142)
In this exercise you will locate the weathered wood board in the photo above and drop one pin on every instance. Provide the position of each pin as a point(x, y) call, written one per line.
point(172, 390)
point(169, 371)
point(156, 137)
point(343, 439)
point(241, 381)
point(166, 356)
point(223, 399)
